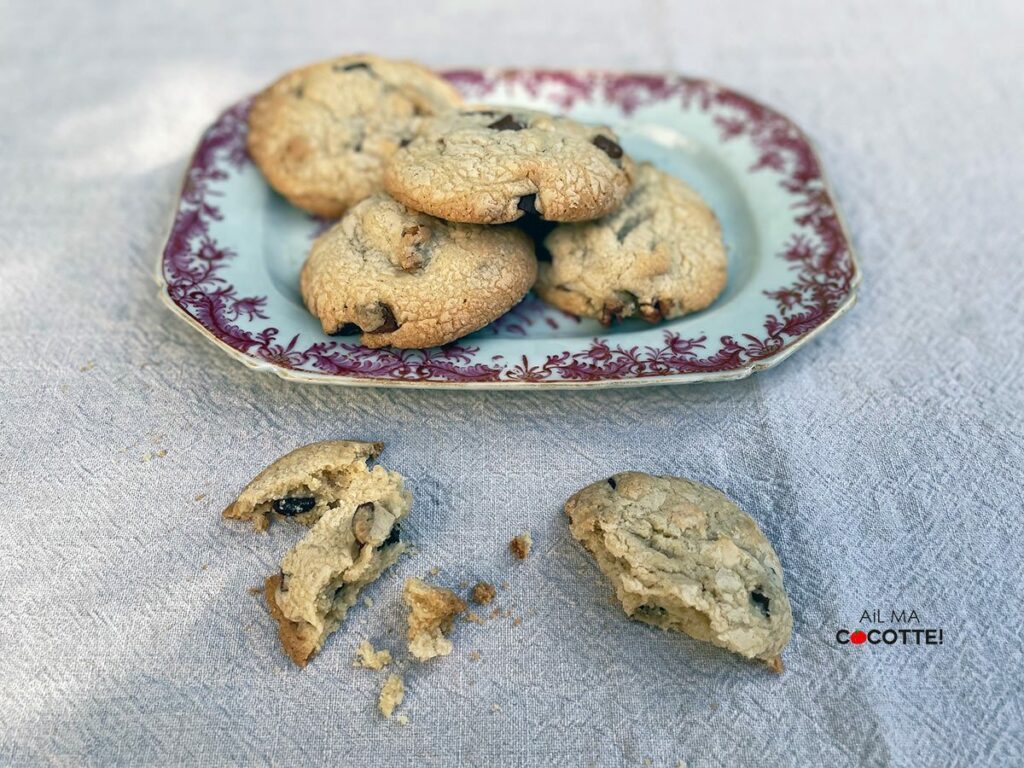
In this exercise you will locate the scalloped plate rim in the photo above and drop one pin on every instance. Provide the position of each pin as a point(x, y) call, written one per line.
point(694, 377)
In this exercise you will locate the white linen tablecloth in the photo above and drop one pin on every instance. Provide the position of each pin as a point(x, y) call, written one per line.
point(884, 460)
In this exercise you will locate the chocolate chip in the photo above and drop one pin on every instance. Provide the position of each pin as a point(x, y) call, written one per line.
point(509, 123)
point(299, 92)
point(616, 309)
point(527, 204)
point(294, 505)
point(652, 610)
point(628, 226)
point(612, 483)
point(609, 147)
point(394, 537)
point(665, 307)
point(348, 329)
point(405, 142)
point(282, 582)
point(351, 67)
point(389, 324)
point(761, 601)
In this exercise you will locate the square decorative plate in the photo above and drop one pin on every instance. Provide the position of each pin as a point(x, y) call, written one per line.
point(231, 263)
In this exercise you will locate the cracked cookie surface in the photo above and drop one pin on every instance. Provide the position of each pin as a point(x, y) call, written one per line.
point(492, 165)
point(432, 610)
point(351, 544)
point(406, 279)
point(683, 556)
point(660, 255)
point(322, 134)
point(303, 484)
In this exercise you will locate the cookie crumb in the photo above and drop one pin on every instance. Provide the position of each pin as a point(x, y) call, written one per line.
point(432, 611)
point(391, 695)
point(504, 585)
point(434, 571)
point(516, 621)
point(255, 591)
point(474, 618)
point(368, 657)
point(161, 453)
point(496, 613)
point(776, 665)
point(483, 593)
point(402, 719)
point(200, 496)
point(521, 545)
point(205, 567)
point(474, 656)
point(89, 365)
point(368, 602)
point(463, 584)
point(495, 708)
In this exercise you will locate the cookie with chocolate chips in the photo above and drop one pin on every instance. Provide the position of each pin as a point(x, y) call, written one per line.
point(682, 556)
point(660, 255)
point(321, 134)
point(491, 165)
point(406, 279)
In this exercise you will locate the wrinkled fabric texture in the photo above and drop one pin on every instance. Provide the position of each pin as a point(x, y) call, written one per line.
point(883, 460)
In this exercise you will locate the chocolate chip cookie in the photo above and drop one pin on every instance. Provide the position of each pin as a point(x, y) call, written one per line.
point(683, 556)
point(351, 544)
point(406, 279)
point(305, 483)
point(658, 256)
point(321, 134)
point(491, 165)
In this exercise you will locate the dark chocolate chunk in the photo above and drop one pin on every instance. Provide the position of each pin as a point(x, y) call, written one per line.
point(528, 204)
point(394, 537)
point(351, 67)
point(509, 123)
point(609, 147)
point(612, 483)
point(294, 505)
point(389, 324)
point(761, 601)
point(348, 329)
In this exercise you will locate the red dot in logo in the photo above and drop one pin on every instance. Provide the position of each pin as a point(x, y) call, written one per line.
point(858, 637)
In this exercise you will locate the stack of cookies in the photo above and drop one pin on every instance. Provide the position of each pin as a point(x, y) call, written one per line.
point(445, 208)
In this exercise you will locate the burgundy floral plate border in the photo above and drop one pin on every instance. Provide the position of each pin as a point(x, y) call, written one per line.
point(823, 266)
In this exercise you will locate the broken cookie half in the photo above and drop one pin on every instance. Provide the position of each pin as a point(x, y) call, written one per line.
point(432, 611)
point(351, 544)
point(304, 484)
point(683, 556)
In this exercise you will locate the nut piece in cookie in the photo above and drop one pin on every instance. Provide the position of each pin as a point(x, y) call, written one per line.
point(493, 165)
point(409, 280)
point(431, 613)
point(660, 255)
point(321, 134)
point(351, 544)
point(391, 695)
point(303, 484)
point(683, 556)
